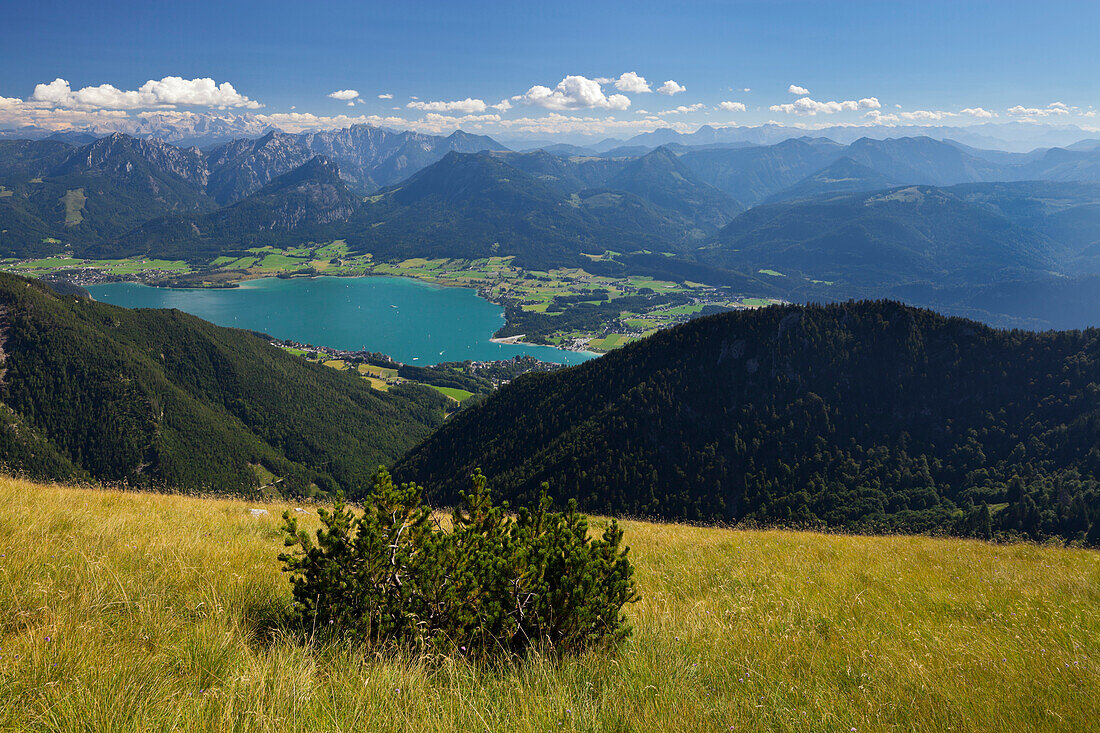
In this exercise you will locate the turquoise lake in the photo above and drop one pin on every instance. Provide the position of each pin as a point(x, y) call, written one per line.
point(414, 322)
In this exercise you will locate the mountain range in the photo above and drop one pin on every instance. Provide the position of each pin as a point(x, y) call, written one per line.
point(805, 219)
point(207, 130)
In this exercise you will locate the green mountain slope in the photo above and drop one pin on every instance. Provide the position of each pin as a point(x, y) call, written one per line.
point(922, 160)
point(751, 175)
point(308, 203)
point(476, 205)
point(842, 176)
point(913, 234)
point(662, 180)
point(870, 416)
point(163, 399)
point(99, 192)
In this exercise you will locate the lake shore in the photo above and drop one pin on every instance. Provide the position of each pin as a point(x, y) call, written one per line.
point(411, 321)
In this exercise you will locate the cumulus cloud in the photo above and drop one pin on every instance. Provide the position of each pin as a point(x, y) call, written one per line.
point(809, 107)
point(682, 109)
point(345, 95)
point(670, 87)
point(731, 106)
point(167, 92)
point(385, 96)
point(926, 115)
point(978, 112)
point(10, 102)
point(795, 89)
point(572, 92)
point(1052, 109)
point(502, 106)
point(631, 83)
point(465, 106)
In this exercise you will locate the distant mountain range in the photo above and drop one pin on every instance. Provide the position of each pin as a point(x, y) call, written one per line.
point(1010, 136)
point(806, 218)
point(207, 130)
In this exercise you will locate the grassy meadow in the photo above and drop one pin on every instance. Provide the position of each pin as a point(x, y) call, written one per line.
point(135, 612)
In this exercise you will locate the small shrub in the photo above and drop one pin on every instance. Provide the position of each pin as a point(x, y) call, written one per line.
point(491, 583)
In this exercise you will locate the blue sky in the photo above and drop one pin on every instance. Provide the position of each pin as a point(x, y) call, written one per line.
point(497, 66)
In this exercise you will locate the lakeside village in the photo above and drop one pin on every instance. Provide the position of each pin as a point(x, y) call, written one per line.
point(458, 380)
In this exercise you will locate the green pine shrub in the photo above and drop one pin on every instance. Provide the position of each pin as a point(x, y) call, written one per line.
point(491, 583)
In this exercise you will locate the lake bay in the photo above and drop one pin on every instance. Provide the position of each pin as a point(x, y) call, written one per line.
point(412, 321)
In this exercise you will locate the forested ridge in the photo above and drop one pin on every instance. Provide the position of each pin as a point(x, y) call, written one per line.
point(162, 399)
point(868, 416)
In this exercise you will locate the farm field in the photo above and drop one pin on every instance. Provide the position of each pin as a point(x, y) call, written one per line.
point(127, 611)
point(458, 395)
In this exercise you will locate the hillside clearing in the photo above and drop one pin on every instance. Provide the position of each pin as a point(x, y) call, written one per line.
point(125, 611)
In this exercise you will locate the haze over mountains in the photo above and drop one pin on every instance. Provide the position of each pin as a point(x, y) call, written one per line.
point(206, 130)
point(968, 230)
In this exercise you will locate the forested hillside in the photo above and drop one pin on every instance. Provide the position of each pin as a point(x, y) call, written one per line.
point(868, 416)
point(161, 399)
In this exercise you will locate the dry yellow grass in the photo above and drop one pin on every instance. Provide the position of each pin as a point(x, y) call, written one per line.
point(134, 612)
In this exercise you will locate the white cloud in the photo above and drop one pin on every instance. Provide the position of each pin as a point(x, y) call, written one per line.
point(572, 92)
point(465, 106)
point(1054, 108)
point(10, 102)
point(926, 115)
point(631, 83)
point(385, 96)
point(746, 90)
point(684, 110)
point(809, 107)
point(167, 92)
point(984, 114)
point(731, 106)
point(344, 95)
point(795, 89)
point(670, 87)
point(502, 106)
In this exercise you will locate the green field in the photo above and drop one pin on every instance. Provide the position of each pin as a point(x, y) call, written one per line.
point(377, 371)
point(281, 262)
point(143, 612)
point(74, 206)
point(607, 343)
point(458, 395)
